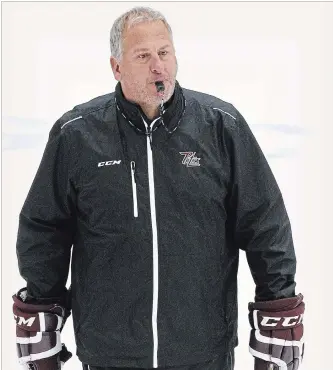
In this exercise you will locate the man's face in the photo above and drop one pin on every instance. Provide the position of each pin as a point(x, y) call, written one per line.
point(148, 56)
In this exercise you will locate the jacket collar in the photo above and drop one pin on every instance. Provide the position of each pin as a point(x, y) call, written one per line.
point(133, 113)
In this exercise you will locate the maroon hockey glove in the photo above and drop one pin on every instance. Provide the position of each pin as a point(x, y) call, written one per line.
point(38, 328)
point(276, 340)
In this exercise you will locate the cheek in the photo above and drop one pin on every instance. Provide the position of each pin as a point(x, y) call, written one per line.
point(139, 72)
point(136, 80)
point(172, 67)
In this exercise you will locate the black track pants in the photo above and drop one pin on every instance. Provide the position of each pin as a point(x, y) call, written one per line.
point(224, 362)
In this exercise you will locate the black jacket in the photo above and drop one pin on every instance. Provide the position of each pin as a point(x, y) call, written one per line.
point(156, 222)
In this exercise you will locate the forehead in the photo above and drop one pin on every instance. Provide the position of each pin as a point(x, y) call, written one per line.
point(145, 35)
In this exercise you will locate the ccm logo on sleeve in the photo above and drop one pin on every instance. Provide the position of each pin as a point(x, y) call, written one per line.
point(108, 163)
point(285, 321)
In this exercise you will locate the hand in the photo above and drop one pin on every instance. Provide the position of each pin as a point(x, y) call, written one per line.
point(38, 330)
point(276, 339)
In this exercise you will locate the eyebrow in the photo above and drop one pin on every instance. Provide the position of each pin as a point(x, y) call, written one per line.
point(146, 49)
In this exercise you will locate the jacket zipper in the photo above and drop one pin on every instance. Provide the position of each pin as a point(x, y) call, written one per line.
point(135, 197)
point(155, 240)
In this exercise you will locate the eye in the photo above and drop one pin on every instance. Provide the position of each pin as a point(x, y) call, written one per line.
point(142, 56)
point(164, 52)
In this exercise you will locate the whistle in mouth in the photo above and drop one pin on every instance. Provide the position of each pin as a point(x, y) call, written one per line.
point(159, 86)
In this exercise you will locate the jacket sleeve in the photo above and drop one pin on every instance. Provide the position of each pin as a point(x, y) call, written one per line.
point(46, 222)
point(259, 220)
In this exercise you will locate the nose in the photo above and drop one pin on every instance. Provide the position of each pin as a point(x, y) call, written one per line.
point(156, 64)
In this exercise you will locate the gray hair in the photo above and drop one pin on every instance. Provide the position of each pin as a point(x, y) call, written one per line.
point(133, 16)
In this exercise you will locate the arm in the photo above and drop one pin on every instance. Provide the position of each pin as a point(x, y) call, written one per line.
point(46, 223)
point(45, 236)
point(260, 223)
point(261, 227)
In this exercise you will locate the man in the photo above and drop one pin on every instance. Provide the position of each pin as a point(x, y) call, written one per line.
point(157, 188)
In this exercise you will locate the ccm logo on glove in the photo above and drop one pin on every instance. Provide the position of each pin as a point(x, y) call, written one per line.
point(284, 321)
point(22, 321)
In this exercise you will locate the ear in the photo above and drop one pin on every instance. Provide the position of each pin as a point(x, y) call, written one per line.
point(115, 68)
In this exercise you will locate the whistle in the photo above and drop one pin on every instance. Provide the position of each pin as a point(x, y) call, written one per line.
point(159, 86)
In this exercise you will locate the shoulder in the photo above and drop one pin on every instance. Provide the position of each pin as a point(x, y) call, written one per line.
point(77, 116)
point(212, 104)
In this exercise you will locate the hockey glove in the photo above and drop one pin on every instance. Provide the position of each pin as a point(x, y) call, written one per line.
point(276, 340)
point(38, 328)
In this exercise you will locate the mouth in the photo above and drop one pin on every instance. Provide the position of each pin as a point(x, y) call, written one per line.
point(159, 80)
point(159, 88)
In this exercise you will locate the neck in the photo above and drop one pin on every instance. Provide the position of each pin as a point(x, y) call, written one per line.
point(151, 111)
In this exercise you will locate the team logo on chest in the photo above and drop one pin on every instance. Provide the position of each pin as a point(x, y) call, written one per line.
point(190, 160)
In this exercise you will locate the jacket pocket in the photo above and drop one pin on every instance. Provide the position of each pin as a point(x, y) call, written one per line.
point(135, 197)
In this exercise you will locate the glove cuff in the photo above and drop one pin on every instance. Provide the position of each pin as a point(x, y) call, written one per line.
point(282, 304)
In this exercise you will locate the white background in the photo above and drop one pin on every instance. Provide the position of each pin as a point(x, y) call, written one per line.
point(273, 61)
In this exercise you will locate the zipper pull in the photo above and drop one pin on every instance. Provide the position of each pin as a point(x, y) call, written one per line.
point(134, 190)
point(133, 169)
point(148, 131)
point(150, 135)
